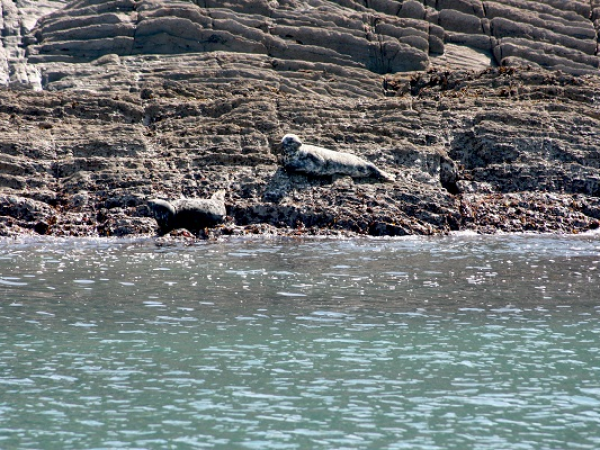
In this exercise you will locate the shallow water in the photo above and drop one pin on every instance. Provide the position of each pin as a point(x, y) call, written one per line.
point(445, 343)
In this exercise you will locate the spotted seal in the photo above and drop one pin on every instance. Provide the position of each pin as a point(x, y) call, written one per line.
point(319, 161)
point(193, 214)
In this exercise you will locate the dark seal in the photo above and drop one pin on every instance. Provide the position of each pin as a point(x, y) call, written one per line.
point(190, 213)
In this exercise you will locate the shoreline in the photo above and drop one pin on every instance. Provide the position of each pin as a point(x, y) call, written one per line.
point(180, 240)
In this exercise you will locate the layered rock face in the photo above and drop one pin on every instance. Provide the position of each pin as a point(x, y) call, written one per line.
point(387, 36)
point(17, 18)
point(487, 113)
point(321, 32)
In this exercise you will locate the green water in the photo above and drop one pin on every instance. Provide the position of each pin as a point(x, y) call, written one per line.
point(455, 343)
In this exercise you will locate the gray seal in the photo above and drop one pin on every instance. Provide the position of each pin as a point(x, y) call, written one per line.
point(193, 214)
point(319, 161)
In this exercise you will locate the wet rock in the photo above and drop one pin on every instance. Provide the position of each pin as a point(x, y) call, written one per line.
point(25, 209)
point(79, 200)
point(41, 227)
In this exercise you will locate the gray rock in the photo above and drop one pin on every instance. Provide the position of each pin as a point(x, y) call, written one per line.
point(472, 7)
point(471, 41)
point(547, 56)
point(454, 20)
point(412, 9)
point(26, 209)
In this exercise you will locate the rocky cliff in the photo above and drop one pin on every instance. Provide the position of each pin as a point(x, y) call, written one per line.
point(486, 112)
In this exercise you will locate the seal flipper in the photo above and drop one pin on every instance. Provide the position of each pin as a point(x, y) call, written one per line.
point(295, 165)
point(384, 176)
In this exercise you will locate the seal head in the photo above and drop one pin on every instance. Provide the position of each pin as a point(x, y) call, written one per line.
point(164, 214)
point(290, 144)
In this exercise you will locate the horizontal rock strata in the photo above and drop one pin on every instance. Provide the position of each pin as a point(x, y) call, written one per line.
point(487, 114)
point(388, 36)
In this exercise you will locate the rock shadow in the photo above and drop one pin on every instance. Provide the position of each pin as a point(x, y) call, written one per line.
point(283, 182)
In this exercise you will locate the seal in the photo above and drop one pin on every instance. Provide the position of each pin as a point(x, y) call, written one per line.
point(319, 161)
point(193, 214)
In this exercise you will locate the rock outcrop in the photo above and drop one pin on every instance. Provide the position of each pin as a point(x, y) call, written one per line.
point(486, 112)
point(388, 36)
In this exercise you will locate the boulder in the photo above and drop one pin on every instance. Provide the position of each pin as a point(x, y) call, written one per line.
point(454, 20)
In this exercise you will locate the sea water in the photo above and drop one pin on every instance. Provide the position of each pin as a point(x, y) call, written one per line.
point(425, 343)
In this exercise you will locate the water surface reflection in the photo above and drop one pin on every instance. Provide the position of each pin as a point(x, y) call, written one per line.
point(453, 343)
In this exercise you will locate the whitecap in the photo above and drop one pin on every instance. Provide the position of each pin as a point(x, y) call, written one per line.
point(8, 282)
point(291, 294)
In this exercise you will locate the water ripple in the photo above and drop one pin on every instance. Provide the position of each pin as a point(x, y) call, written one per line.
point(416, 344)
